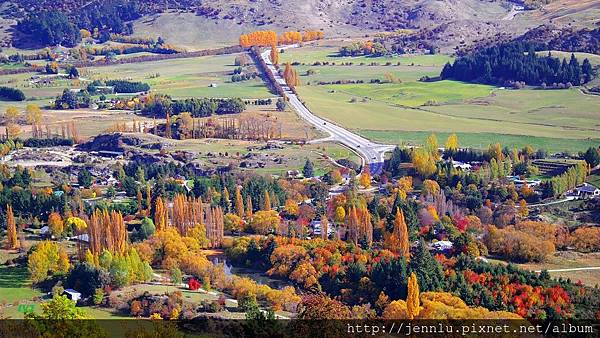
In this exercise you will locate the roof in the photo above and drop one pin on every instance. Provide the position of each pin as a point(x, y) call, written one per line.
point(73, 292)
point(587, 188)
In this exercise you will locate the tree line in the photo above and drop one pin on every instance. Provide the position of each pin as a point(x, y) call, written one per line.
point(270, 38)
point(518, 62)
point(123, 86)
point(50, 28)
point(160, 105)
point(53, 27)
point(11, 94)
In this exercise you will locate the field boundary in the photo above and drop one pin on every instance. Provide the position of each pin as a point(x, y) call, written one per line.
point(136, 59)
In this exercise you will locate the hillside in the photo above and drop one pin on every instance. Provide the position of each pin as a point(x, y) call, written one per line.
point(195, 24)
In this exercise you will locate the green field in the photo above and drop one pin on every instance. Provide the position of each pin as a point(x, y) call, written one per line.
point(364, 73)
point(594, 179)
point(311, 54)
point(415, 94)
point(594, 59)
point(14, 285)
point(188, 77)
point(179, 78)
point(557, 120)
point(482, 140)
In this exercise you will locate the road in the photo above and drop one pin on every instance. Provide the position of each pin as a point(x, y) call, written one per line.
point(513, 12)
point(372, 153)
point(573, 269)
point(566, 199)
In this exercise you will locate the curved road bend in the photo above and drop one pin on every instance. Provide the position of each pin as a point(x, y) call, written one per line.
point(372, 153)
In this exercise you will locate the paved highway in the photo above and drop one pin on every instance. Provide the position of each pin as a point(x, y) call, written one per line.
point(372, 153)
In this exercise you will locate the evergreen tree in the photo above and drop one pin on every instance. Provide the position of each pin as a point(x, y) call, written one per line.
point(592, 157)
point(429, 272)
point(308, 170)
point(587, 70)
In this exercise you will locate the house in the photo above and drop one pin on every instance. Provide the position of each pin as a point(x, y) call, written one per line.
point(442, 246)
point(587, 191)
point(316, 226)
point(520, 182)
point(72, 295)
point(462, 165)
point(294, 174)
point(84, 238)
point(45, 231)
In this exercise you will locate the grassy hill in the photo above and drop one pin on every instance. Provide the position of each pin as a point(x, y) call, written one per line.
point(194, 24)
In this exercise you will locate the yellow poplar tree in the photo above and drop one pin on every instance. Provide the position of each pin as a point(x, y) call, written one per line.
point(452, 143)
point(249, 210)
point(267, 202)
point(432, 147)
point(11, 229)
point(398, 240)
point(412, 299)
point(239, 202)
point(365, 177)
point(340, 214)
point(160, 215)
point(274, 54)
point(56, 224)
point(324, 227)
point(523, 211)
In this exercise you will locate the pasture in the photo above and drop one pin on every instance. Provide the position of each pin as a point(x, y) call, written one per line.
point(180, 78)
point(325, 52)
point(406, 110)
point(189, 77)
point(569, 260)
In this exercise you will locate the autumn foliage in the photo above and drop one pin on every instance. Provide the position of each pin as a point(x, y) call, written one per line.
point(290, 76)
point(397, 241)
point(11, 229)
point(269, 38)
point(258, 38)
point(107, 231)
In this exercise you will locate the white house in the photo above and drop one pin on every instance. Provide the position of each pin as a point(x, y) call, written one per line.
point(72, 295)
point(587, 191)
point(442, 245)
point(462, 166)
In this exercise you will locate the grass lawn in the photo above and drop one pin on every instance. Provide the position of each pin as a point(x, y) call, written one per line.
point(178, 77)
point(15, 290)
point(556, 120)
point(482, 140)
point(568, 260)
point(594, 179)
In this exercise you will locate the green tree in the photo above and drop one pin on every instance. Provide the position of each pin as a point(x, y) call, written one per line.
point(147, 228)
point(84, 178)
point(429, 272)
point(73, 73)
point(592, 157)
point(176, 276)
point(308, 170)
point(61, 315)
point(281, 104)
